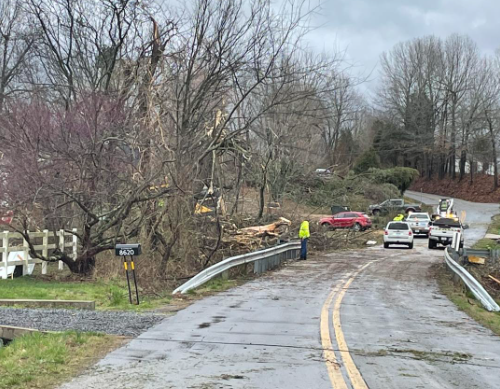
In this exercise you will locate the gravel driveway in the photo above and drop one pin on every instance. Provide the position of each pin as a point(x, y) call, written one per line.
point(115, 323)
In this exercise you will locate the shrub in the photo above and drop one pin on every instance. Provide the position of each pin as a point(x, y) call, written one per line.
point(355, 192)
point(401, 177)
point(368, 160)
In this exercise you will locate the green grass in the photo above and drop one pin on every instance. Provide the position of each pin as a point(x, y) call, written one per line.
point(465, 300)
point(45, 360)
point(108, 295)
point(493, 228)
point(467, 303)
point(484, 244)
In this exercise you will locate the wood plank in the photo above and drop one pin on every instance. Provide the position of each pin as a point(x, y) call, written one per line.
point(476, 260)
point(10, 332)
point(494, 279)
point(79, 304)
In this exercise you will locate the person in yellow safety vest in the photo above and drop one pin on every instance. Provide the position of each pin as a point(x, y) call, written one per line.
point(304, 235)
point(399, 218)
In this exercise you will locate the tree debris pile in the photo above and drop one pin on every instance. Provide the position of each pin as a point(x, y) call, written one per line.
point(322, 240)
point(488, 275)
point(354, 190)
point(236, 240)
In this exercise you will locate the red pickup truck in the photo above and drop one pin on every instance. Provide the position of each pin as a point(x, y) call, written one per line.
point(358, 221)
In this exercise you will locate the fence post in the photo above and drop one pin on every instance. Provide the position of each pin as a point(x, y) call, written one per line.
point(25, 255)
point(61, 247)
point(5, 250)
point(75, 244)
point(45, 250)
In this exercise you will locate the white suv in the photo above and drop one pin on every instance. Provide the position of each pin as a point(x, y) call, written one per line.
point(398, 233)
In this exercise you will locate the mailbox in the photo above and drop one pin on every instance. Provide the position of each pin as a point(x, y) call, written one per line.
point(128, 250)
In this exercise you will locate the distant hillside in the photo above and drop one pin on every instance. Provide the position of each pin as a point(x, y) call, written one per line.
point(480, 191)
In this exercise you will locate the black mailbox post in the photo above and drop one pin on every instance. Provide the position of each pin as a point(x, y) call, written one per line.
point(125, 251)
point(128, 250)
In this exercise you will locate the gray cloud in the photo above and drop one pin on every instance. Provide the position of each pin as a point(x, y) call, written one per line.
point(366, 28)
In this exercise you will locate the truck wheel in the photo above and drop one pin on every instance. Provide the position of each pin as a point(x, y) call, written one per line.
point(386, 245)
point(410, 246)
point(409, 210)
point(376, 212)
point(432, 244)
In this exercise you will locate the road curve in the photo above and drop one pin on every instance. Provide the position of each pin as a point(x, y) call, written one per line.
point(478, 215)
point(356, 319)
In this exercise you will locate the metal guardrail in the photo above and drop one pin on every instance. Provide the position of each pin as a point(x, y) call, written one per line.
point(476, 252)
point(474, 286)
point(263, 260)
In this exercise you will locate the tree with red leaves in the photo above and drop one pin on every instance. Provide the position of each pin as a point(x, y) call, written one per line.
point(77, 167)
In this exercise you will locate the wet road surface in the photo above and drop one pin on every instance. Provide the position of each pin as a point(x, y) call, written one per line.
point(478, 215)
point(357, 319)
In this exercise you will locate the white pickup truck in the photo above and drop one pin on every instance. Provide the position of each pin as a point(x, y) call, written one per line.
point(419, 222)
point(442, 231)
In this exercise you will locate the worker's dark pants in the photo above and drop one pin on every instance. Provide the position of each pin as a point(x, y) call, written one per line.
point(303, 249)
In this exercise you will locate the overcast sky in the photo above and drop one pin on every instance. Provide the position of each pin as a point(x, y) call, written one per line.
point(366, 28)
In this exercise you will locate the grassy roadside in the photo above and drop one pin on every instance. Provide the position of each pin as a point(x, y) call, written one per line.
point(493, 228)
point(110, 295)
point(467, 303)
point(463, 299)
point(46, 360)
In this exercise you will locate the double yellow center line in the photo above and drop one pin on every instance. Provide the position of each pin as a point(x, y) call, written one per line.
point(333, 366)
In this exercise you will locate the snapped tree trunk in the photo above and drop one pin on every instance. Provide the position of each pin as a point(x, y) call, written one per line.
point(262, 191)
point(239, 183)
point(262, 188)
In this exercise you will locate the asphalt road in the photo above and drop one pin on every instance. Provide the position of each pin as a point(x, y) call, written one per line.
point(359, 319)
point(477, 215)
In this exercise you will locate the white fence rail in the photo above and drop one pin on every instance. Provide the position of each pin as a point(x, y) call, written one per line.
point(15, 249)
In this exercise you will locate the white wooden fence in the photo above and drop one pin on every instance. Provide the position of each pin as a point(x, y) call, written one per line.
point(49, 241)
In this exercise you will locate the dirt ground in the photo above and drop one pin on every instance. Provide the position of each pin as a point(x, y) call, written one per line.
point(482, 273)
point(480, 191)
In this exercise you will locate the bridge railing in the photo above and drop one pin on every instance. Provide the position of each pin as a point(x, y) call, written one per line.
point(263, 260)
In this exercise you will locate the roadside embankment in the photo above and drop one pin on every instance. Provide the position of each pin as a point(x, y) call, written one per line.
point(487, 274)
point(481, 190)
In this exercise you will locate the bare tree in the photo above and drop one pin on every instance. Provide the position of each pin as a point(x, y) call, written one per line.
point(460, 57)
point(137, 118)
point(75, 168)
point(435, 90)
point(342, 107)
point(16, 45)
